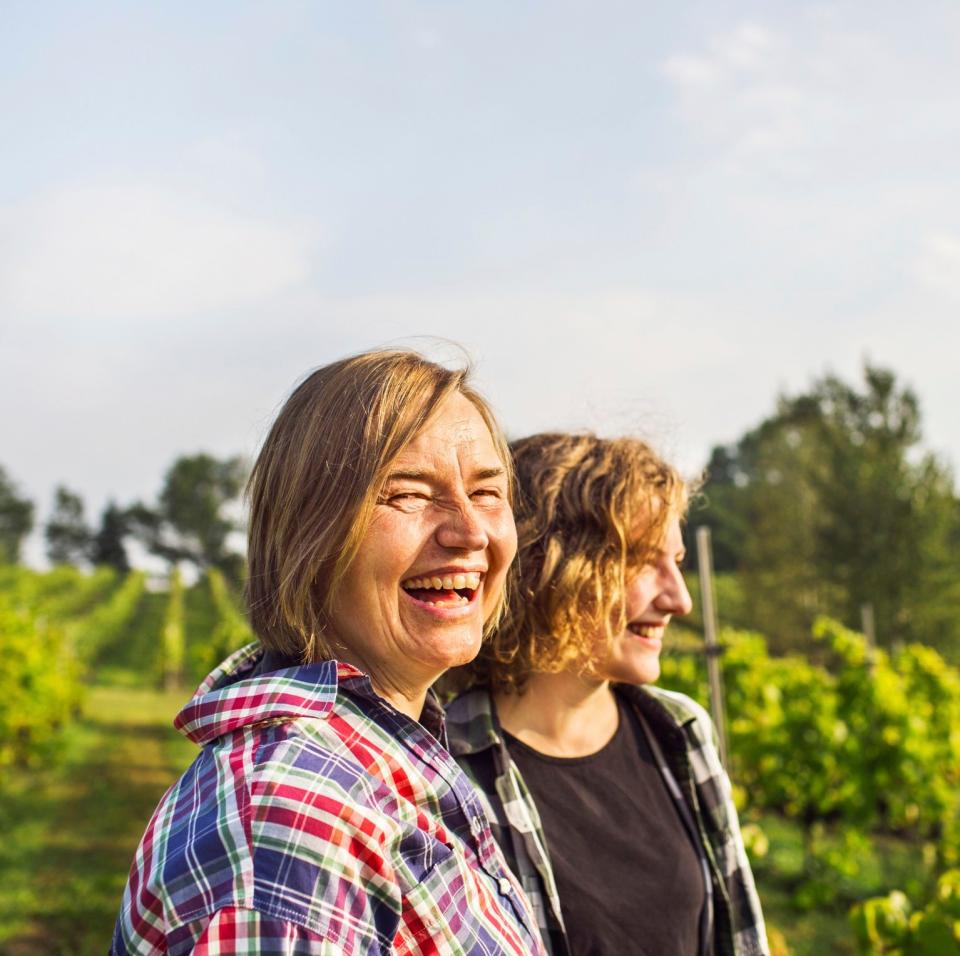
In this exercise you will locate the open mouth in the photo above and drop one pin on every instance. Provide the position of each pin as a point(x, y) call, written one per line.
point(652, 632)
point(447, 590)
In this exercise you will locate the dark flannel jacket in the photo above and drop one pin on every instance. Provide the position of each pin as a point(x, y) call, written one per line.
point(684, 744)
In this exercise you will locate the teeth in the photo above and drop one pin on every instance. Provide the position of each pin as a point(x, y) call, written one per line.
point(448, 582)
point(647, 630)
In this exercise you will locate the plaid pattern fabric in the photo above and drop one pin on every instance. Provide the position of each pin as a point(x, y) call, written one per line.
point(686, 739)
point(318, 820)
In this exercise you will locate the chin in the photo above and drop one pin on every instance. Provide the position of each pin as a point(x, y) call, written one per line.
point(633, 671)
point(456, 650)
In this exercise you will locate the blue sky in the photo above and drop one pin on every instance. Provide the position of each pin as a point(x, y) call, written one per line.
point(634, 218)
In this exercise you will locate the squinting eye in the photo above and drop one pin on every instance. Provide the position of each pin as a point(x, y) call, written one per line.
point(403, 498)
point(486, 493)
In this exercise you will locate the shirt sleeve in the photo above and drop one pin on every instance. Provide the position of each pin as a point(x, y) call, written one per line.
point(236, 931)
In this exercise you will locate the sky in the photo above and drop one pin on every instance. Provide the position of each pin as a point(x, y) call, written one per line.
point(633, 217)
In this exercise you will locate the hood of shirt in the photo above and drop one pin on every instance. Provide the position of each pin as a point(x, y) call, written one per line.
point(240, 693)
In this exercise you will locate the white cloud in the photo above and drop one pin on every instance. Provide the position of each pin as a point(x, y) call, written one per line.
point(938, 265)
point(745, 92)
point(140, 251)
point(746, 49)
point(691, 72)
point(427, 38)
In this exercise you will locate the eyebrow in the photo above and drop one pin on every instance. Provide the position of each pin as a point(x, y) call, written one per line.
point(483, 474)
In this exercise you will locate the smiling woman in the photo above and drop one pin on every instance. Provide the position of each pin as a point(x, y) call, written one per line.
point(606, 793)
point(430, 568)
point(324, 814)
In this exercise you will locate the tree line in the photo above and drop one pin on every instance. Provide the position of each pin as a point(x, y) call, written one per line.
point(190, 521)
point(830, 505)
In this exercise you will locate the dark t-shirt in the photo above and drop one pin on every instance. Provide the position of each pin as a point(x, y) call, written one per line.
point(629, 878)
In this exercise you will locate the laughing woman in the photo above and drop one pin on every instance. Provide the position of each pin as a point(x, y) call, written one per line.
point(324, 815)
point(606, 793)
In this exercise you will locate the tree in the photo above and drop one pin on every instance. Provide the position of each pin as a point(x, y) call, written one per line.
point(191, 521)
point(16, 519)
point(107, 546)
point(67, 533)
point(830, 504)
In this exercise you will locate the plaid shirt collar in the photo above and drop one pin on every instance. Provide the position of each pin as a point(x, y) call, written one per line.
point(474, 728)
point(250, 687)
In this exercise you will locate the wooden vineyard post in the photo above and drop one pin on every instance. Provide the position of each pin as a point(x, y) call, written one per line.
point(713, 649)
point(869, 632)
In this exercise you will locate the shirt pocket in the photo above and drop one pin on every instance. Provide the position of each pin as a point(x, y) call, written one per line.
point(433, 895)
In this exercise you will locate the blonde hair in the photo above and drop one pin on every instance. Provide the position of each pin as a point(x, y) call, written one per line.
point(316, 480)
point(590, 512)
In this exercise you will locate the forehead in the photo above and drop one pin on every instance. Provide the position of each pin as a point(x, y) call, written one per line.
point(669, 533)
point(456, 431)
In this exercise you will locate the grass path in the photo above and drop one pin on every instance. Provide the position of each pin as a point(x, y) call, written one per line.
point(78, 820)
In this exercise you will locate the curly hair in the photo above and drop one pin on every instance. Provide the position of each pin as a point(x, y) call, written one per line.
point(590, 513)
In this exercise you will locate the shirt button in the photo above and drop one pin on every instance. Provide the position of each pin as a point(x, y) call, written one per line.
point(477, 826)
point(506, 887)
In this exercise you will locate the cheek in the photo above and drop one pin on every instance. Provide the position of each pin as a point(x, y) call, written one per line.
point(640, 594)
point(502, 532)
point(395, 542)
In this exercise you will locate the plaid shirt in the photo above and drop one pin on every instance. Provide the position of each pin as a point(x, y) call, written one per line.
point(684, 736)
point(318, 820)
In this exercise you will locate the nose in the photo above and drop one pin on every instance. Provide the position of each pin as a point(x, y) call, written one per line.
point(461, 528)
point(674, 598)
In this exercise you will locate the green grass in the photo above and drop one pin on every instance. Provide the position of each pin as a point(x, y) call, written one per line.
point(71, 826)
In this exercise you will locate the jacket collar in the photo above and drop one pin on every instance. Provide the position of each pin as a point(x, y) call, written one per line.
point(472, 724)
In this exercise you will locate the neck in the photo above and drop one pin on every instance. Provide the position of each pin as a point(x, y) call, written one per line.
point(561, 715)
point(409, 703)
point(405, 692)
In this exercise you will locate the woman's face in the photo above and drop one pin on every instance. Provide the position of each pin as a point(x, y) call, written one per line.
point(652, 597)
point(432, 564)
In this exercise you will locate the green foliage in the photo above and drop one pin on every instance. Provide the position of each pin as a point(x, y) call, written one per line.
point(904, 723)
point(61, 595)
point(191, 520)
point(216, 626)
point(729, 598)
point(66, 593)
point(889, 925)
point(50, 626)
point(108, 545)
point(173, 638)
point(39, 677)
point(785, 730)
point(67, 533)
point(831, 861)
point(16, 519)
point(108, 619)
point(861, 741)
point(828, 505)
point(232, 630)
point(684, 672)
